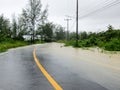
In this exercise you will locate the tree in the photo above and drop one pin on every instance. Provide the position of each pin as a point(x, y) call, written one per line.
point(4, 28)
point(83, 35)
point(47, 31)
point(73, 35)
point(33, 17)
point(14, 28)
point(109, 33)
point(110, 28)
point(59, 33)
point(23, 26)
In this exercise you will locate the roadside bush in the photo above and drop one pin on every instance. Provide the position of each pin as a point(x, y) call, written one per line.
point(11, 44)
point(70, 43)
point(113, 45)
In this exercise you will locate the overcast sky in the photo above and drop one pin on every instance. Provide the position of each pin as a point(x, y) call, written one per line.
point(58, 9)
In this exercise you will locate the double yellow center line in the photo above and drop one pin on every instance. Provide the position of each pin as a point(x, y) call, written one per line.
point(46, 74)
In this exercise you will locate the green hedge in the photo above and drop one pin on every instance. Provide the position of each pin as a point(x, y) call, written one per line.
point(11, 44)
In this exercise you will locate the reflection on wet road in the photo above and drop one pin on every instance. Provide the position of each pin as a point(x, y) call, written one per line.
point(18, 70)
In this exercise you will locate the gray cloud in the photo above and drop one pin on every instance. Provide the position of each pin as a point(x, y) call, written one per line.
point(94, 22)
point(59, 8)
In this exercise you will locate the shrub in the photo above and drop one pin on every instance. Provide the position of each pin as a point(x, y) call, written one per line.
point(113, 45)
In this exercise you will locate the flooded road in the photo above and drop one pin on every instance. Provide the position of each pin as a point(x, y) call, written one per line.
point(18, 71)
point(73, 69)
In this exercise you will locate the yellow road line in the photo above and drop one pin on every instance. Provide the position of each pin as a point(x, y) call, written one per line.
point(46, 74)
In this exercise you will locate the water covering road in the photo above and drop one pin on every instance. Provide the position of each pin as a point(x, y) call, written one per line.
point(18, 70)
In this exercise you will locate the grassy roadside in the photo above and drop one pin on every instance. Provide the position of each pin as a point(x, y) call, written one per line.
point(113, 45)
point(4, 46)
point(10, 43)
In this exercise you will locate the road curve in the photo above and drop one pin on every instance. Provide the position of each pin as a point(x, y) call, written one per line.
point(18, 70)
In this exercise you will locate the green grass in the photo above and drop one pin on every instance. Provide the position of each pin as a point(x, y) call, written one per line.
point(4, 46)
point(10, 43)
point(112, 45)
point(39, 42)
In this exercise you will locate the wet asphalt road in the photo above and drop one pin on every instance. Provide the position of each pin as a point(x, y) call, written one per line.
point(18, 70)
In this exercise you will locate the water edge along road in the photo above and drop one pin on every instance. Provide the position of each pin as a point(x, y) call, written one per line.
point(18, 70)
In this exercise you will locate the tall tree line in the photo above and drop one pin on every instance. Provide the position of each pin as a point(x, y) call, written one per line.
point(5, 30)
point(31, 22)
point(108, 39)
point(31, 18)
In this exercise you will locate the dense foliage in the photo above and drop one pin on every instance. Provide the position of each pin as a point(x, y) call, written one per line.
point(10, 43)
point(108, 40)
point(4, 28)
point(32, 22)
point(27, 24)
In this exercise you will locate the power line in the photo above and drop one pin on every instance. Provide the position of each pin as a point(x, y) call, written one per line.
point(101, 9)
point(73, 24)
point(100, 3)
point(67, 34)
point(106, 4)
point(96, 6)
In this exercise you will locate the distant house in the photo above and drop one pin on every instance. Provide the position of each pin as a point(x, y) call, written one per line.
point(28, 37)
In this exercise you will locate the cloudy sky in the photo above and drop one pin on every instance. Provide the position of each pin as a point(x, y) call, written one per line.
point(58, 9)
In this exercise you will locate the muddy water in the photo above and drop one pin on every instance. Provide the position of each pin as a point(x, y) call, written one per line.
point(92, 65)
point(72, 68)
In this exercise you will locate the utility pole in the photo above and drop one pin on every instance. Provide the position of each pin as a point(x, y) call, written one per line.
point(67, 34)
point(77, 23)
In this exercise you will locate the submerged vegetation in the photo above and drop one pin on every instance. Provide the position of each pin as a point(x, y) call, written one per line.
point(10, 43)
point(108, 40)
point(33, 23)
point(29, 23)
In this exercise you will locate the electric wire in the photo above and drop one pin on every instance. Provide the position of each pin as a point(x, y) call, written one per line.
point(105, 5)
point(100, 9)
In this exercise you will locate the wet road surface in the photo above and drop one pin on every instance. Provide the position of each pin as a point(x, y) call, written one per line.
point(18, 70)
